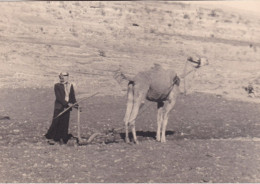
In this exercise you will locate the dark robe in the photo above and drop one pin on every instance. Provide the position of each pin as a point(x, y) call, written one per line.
point(59, 128)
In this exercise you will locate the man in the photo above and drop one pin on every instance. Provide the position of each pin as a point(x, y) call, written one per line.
point(65, 97)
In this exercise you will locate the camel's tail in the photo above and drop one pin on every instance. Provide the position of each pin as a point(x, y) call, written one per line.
point(120, 77)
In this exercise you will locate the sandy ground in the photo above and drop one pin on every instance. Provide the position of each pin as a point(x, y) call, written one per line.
point(92, 39)
point(209, 139)
point(213, 132)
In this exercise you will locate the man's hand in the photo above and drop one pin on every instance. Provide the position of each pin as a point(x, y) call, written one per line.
point(70, 104)
point(76, 106)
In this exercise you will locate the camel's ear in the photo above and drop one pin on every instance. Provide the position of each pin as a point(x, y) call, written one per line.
point(198, 61)
point(177, 80)
point(204, 61)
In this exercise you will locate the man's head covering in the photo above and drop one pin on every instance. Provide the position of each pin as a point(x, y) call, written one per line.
point(63, 74)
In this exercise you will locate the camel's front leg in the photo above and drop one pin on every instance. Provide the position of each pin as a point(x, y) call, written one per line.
point(132, 124)
point(165, 121)
point(167, 108)
point(129, 107)
point(159, 120)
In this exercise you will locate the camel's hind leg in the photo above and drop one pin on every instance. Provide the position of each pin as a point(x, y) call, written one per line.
point(168, 106)
point(129, 107)
point(139, 98)
point(159, 120)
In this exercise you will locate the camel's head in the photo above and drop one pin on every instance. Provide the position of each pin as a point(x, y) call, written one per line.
point(198, 62)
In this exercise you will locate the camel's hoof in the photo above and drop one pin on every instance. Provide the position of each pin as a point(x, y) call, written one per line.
point(136, 142)
point(127, 141)
point(158, 139)
point(163, 141)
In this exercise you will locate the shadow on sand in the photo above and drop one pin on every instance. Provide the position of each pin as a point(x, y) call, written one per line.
point(144, 134)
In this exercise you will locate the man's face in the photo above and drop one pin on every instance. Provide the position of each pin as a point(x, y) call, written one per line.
point(64, 79)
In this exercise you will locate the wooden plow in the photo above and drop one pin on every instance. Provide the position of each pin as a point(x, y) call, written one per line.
point(108, 136)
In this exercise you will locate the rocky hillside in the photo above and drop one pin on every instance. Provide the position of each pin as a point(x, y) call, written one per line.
point(93, 39)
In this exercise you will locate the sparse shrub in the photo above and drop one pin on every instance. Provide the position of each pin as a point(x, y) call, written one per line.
point(152, 31)
point(186, 16)
point(148, 10)
point(247, 22)
point(77, 4)
point(162, 19)
point(225, 92)
point(103, 13)
point(169, 25)
point(102, 53)
point(62, 5)
point(134, 24)
point(200, 14)
point(48, 46)
point(228, 21)
point(73, 32)
point(213, 13)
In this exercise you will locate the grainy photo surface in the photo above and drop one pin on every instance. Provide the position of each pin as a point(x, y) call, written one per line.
point(129, 92)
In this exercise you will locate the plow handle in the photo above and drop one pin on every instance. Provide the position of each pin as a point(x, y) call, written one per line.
point(78, 124)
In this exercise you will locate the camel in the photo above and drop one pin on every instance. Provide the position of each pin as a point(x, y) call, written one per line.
point(156, 85)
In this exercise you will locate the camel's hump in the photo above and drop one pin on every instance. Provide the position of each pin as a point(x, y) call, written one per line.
point(157, 77)
point(160, 85)
point(161, 78)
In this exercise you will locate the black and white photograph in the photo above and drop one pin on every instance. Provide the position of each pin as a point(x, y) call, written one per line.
point(130, 91)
